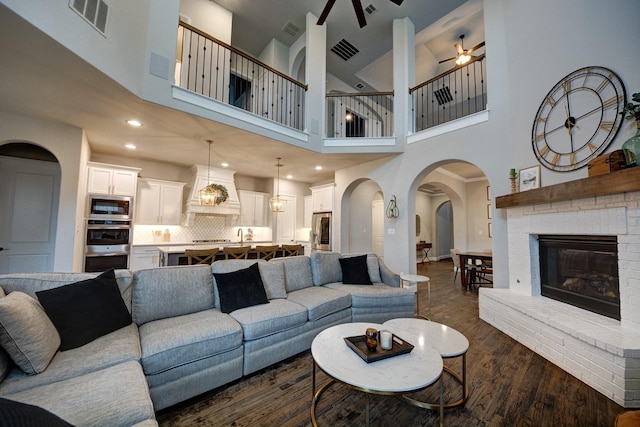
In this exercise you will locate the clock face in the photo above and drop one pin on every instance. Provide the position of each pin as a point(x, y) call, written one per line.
point(578, 119)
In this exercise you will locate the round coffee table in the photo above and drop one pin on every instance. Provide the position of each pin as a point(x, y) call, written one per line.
point(449, 343)
point(396, 375)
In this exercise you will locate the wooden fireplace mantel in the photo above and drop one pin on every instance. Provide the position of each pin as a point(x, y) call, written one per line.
point(621, 181)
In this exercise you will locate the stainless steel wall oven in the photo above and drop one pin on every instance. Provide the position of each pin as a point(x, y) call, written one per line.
point(107, 244)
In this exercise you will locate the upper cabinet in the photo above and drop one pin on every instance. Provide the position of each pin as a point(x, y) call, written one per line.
point(322, 198)
point(159, 202)
point(253, 210)
point(308, 212)
point(110, 179)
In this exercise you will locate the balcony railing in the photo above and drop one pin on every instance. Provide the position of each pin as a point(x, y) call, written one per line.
point(218, 71)
point(366, 115)
point(451, 95)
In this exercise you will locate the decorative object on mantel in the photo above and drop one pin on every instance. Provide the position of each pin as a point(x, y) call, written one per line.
point(392, 208)
point(578, 119)
point(609, 162)
point(529, 178)
point(276, 204)
point(212, 194)
point(512, 177)
point(632, 145)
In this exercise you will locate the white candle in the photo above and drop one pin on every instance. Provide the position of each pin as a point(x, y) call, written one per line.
point(386, 340)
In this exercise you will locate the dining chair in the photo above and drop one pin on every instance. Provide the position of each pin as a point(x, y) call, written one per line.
point(201, 256)
point(455, 256)
point(291, 250)
point(266, 252)
point(241, 252)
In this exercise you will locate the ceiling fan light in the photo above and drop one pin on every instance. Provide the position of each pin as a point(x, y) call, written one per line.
point(463, 59)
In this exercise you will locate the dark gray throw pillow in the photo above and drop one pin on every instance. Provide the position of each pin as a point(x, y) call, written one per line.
point(355, 270)
point(240, 289)
point(20, 414)
point(86, 310)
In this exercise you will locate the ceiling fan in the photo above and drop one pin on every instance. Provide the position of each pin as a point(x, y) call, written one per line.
point(357, 6)
point(463, 55)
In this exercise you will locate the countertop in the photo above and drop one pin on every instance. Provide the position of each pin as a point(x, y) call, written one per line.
point(176, 249)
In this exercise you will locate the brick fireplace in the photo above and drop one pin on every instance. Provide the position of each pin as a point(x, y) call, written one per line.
point(600, 351)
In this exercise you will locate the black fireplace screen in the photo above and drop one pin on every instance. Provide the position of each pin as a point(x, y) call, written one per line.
point(581, 271)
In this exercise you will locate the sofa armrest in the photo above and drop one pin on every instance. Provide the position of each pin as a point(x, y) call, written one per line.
point(388, 277)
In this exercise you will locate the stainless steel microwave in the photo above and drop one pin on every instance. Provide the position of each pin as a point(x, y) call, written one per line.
point(100, 206)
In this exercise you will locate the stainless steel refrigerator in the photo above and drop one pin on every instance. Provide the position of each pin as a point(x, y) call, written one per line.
point(321, 231)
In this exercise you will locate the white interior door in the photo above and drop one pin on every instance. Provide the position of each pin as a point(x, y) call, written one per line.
point(29, 193)
point(377, 227)
point(286, 221)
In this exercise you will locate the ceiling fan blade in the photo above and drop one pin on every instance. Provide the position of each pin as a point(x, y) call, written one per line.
point(449, 59)
point(325, 12)
point(478, 46)
point(357, 6)
point(459, 48)
point(398, 2)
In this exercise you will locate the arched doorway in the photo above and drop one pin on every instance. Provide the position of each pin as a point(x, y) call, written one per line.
point(444, 229)
point(29, 197)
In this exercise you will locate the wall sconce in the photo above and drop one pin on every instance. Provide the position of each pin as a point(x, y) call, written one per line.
point(392, 208)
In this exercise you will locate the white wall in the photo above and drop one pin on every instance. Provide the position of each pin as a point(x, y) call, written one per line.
point(69, 145)
point(360, 218)
point(209, 17)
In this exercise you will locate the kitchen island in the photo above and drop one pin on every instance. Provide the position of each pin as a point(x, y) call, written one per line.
point(175, 255)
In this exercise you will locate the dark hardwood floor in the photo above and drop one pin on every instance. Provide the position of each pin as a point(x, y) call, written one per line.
point(509, 385)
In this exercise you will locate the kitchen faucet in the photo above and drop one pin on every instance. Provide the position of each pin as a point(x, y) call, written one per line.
point(241, 234)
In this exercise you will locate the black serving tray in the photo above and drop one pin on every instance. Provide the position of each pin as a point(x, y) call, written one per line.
point(359, 345)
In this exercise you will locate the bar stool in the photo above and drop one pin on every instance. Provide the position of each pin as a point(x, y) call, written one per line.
point(266, 252)
point(411, 281)
point(201, 256)
point(291, 250)
point(236, 253)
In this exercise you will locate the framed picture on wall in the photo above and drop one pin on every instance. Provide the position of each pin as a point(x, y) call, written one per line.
point(529, 178)
point(488, 192)
point(489, 210)
point(490, 231)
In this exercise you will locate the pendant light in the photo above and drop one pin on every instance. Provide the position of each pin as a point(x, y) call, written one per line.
point(208, 196)
point(276, 204)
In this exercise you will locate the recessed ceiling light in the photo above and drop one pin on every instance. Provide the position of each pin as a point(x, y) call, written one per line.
point(134, 123)
point(318, 168)
point(289, 176)
point(224, 164)
point(130, 146)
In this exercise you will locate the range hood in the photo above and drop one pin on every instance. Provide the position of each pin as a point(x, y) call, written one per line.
point(199, 180)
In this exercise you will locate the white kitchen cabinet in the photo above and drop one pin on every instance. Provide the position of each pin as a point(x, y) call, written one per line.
point(159, 202)
point(253, 208)
point(111, 179)
point(322, 198)
point(308, 211)
point(144, 257)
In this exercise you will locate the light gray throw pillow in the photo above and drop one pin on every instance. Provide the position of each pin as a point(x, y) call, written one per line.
point(273, 279)
point(26, 332)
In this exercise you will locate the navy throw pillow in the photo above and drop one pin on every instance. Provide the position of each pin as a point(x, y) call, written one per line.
point(355, 271)
point(240, 289)
point(20, 414)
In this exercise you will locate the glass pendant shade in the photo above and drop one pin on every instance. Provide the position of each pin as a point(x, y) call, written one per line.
point(208, 196)
point(276, 204)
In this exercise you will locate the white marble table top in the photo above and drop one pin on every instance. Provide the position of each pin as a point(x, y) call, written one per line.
point(407, 372)
point(448, 341)
point(414, 278)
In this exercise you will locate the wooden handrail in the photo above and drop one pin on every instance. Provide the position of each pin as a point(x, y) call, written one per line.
point(244, 55)
point(337, 95)
point(453, 70)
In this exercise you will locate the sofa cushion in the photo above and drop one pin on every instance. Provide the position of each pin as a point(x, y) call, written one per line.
point(114, 396)
point(117, 347)
point(172, 342)
point(297, 272)
point(85, 310)
point(378, 295)
point(240, 289)
point(273, 279)
point(355, 270)
point(26, 332)
point(321, 301)
point(263, 320)
point(160, 293)
point(325, 267)
point(14, 413)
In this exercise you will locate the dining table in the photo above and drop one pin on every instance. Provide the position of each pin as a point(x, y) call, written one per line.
point(469, 262)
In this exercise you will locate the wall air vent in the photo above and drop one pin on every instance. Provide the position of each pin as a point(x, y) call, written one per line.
point(443, 95)
point(291, 29)
point(95, 12)
point(344, 50)
point(359, 86)
point(370, 9)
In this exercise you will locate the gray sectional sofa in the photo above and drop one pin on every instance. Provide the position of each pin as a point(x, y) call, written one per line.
point(181, 344)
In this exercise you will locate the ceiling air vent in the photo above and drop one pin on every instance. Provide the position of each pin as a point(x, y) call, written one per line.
point(443, 95)
point(291, 29)
point(370, 9)
point(93, 11)
point(344, 50)
point(359, 86)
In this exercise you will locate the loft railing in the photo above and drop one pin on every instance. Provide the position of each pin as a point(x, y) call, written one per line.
point(218, 71)
point(451, 95)
point(366, 115)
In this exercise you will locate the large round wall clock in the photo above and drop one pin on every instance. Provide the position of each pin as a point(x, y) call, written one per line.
point(578, 119)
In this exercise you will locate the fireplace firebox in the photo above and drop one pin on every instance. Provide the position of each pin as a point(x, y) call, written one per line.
point(581, 271)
